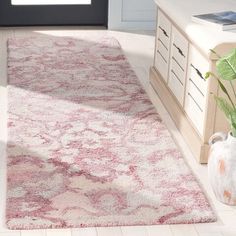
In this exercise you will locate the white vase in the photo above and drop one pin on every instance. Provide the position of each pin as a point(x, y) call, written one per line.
point(222, 167)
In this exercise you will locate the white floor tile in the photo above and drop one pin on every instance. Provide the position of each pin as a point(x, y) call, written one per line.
point(58, 232)
point(220, 206)
point(134, 231)
point(159, 230)
point(228, 233)
point(183, 230)
point(84, 232)
point(33, 232)
point(208, 228)
point(210, 234)
point(215, 230)
point(109, 231)
point(16, 233)
point(228, 218)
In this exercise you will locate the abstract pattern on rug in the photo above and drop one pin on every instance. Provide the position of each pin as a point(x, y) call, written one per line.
point(85, 145)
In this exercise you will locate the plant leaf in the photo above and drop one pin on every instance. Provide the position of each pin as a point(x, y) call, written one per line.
point(207, 75)
point(214, 52)
point(225, 107)
point(223, 88)
point(225, 91)
point(233, 122)
point(226, 66)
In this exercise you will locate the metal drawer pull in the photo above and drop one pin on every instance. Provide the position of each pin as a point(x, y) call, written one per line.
point(164, 32)
point(179, 50)
point(161, 56)
point(195, 102)
point(177, 77)
point(196, 87)
point(198, 72)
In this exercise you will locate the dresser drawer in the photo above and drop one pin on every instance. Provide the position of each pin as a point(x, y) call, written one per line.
point(178, 65)
point(163, 29)
point(196, 88)
point(194, 112)
point(178, 71)
point(161, 65)
point(176, 86)
point(196, 94)
point(162, 51)
point(160, 47)
point(179, 48)
point(198, 66)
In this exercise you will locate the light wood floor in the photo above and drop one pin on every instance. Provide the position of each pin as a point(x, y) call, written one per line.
point(138, 47)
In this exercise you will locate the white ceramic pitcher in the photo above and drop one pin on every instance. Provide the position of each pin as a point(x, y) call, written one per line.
point(222, 167)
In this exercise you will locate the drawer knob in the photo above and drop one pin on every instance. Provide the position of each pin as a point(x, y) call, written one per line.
point(197, 71)
point(164, 32)
point(179, 50)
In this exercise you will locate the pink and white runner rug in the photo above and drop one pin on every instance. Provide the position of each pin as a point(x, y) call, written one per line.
point(85, 145)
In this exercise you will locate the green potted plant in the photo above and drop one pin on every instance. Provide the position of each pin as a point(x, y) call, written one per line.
point(222, 156)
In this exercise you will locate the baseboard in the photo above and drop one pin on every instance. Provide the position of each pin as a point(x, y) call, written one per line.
point(129, 25)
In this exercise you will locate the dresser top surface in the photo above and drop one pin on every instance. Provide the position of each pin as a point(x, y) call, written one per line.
point(205, 37)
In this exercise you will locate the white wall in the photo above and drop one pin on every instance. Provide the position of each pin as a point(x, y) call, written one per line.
point(132, 14)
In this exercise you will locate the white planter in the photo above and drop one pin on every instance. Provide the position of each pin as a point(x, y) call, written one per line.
point(222, 167)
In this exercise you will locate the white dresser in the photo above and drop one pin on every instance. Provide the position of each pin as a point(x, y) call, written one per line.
point(182, 57)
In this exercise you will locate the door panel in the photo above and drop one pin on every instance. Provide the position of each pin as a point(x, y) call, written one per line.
point(132, 14)
point(57, 13)
point(143, 10)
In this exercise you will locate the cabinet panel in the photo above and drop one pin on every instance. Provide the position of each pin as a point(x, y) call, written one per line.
point(161, 65)
point(179, 48)
point(162, 50)
point(164, 28)
point(196, 94)
point(176, 86)
point(178, 71)
point(195, 112)
point(196, 88)
point(178, 64)
point(198, 66)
